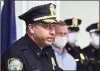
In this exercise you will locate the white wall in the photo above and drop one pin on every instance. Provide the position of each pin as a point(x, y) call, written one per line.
point(88, 11)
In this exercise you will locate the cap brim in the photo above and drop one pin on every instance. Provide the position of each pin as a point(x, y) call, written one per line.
point(98, 32)
point(76, 29)
point(50, 22)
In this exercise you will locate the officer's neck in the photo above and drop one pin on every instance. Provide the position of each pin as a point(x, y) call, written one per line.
point(39, 44)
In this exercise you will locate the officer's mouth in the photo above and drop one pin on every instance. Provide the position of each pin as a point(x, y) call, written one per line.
point(50, 39)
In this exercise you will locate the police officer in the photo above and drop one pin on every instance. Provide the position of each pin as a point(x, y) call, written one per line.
point(72, 48)
point(93, 50)
point(29, 52)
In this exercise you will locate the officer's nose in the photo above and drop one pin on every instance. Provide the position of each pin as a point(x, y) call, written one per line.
point(52, 29)
point(52, 32)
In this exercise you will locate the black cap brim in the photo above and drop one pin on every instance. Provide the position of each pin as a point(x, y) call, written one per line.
point(76, 29)
point(98, 32)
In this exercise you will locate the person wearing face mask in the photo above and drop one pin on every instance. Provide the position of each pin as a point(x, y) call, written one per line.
point(93, 50)
point(64, 59)
point(72, 48)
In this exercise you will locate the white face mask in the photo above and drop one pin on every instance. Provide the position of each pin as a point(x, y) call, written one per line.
point(60, 41)
point(96, 40)
point(72, 37)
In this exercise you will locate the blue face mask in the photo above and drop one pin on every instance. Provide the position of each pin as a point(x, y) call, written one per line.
point(72, 37)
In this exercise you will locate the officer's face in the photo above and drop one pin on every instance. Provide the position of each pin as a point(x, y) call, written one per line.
point(95, 39)
point(43, 34)
point(93, 34)
point(72, 36)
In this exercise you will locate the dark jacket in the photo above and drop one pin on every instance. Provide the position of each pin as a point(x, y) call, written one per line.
point(77, 53)
point(30, 55)
point(93, 57)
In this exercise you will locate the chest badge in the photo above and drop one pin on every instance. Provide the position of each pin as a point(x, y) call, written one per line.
point(15, 64)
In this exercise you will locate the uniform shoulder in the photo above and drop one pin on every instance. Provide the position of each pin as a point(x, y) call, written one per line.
point(78, 46)
point(13, 55)
point(17, 47)
point(86, 48)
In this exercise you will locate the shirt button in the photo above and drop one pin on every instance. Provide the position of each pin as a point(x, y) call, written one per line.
point(38, 53)
point(98, 61)
point(93, 50)
point(47, 53)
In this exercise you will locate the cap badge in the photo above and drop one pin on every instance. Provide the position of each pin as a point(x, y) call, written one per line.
point(75, 22)
point(52, 10)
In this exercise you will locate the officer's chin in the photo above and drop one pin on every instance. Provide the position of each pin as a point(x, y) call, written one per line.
point(48, 43)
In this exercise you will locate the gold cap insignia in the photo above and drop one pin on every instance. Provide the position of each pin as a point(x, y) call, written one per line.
point(75, 22)
point(52, 10)
point(15, 64)
point(52, 14)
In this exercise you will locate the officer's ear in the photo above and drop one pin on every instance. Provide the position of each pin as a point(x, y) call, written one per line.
point(31, 28)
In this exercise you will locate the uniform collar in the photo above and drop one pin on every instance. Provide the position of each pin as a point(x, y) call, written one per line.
point(33, 46)
point(93, 49)
point(69, 48)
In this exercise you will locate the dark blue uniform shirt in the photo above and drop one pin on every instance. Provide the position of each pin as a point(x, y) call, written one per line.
point(29, 56)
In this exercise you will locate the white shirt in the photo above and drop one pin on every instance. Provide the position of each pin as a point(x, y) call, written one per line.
point(65, 60)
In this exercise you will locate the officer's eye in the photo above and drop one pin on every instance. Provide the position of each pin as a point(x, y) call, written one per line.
point(48, 26)
point(65, 34)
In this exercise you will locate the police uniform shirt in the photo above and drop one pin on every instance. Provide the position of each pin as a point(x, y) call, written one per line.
point(93, 53)
point(65, 60)
point(25, 55)
point(74, 51)
point(93, 57)
point(79, 57)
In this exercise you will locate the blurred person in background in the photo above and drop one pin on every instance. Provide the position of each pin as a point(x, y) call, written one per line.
point(93, 50)
point(72, 48)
